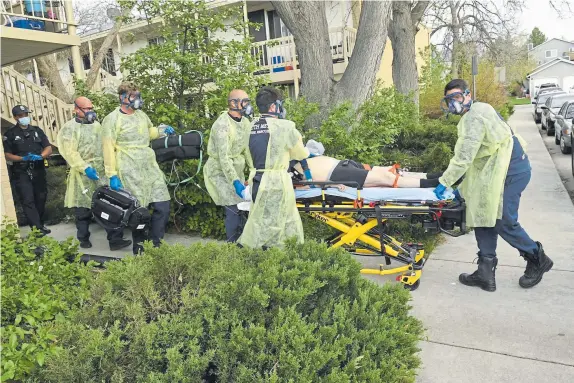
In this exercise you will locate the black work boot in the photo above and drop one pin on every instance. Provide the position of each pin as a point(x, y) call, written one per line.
point(120, 244)
point(85, 244)
point(536, 265)
point(484, 276)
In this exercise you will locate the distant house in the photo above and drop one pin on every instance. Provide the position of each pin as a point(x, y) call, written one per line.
point(558, 71)
point(550, 50)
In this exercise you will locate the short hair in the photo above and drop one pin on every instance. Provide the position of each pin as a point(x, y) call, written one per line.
point(127, 87)
point(456, 84)
point(267, 97)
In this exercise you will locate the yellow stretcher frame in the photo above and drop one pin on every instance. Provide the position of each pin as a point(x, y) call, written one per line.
point(360, 231)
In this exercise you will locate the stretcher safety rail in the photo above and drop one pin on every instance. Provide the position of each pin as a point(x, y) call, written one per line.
point(360, 217)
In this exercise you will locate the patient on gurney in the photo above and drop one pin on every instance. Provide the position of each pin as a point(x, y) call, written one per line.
point(329, 169)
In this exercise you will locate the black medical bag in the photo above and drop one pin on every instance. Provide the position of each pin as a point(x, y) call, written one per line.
point(117, 209)
point(181, 147)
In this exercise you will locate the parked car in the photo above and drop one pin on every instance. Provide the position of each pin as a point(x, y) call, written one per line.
point(541, 100)
point(563, 131)
point(572, 151)
point(551, 108)
point(544, 87)
point(540, 92)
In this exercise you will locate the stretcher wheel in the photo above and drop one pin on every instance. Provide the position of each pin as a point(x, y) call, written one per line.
point(412, 287)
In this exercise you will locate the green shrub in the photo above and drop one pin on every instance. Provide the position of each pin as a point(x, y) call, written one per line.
point(427, 146)
point(218, 313)
point(41, 279)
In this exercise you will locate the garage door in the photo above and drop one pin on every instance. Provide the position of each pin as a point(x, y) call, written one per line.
point(568, 83)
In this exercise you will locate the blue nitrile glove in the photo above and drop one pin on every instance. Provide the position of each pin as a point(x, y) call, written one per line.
point(439, 191)
point(32, 157)
point(311, 155)
point(115, 183)
point(169, 130)
point(239, 187)
point(308, 175)
point(91, 173)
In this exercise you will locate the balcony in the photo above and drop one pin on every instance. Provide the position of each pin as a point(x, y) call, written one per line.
point(277, 58)
point(32, 28)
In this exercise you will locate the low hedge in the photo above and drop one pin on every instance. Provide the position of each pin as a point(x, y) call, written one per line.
point(41, 279)
point(218, 313)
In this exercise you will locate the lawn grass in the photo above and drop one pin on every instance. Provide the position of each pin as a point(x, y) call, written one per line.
point(519, 101)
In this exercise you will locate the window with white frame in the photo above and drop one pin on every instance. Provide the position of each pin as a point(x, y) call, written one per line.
point(551, 53)
point(156, 41)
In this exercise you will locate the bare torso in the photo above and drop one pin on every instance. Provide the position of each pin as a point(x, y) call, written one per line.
point(321, 167)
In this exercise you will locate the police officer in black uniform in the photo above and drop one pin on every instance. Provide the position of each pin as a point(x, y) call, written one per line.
point(26, 146)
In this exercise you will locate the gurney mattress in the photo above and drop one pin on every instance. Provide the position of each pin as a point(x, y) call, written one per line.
point(376, 194)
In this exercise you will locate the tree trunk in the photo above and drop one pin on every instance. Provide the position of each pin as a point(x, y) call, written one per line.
point(48, 69)
point(94, 72)
point(402, 32)
point(360, 76)
point(307, 22)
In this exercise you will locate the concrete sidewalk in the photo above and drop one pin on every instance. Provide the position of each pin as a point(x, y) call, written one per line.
point(100, 248)
point(513, 334)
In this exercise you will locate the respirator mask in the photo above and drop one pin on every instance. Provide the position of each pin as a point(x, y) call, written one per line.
point(136, 102)
point(242, 106)
point(454, 103)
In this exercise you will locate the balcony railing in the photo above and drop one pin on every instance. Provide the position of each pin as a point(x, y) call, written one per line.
point(48, 112)
point(279, 55)
point(41, 15)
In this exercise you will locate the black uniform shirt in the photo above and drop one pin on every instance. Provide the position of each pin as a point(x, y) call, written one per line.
point(20, 141)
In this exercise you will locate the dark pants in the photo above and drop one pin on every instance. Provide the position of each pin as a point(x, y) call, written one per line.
point(507, 227)
point(234, 223)
point(159, 220)
point(32, 192)
point(83, 220)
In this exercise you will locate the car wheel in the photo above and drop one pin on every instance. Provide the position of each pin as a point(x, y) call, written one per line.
point(536, 118)
point(556, 137)
point(550, 129)
point(563, 148)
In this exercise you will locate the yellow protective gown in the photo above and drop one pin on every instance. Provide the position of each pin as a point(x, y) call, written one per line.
point(127, 154)
point(227, 146)
point(81, 146)
point(482, 153)
point(274, 217)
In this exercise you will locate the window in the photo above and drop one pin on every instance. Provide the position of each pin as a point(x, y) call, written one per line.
point(71, 65)
point(86, 61)
point(570, 112)
point(156, 41)
point(548, 102)
point(259, 18)
point(109, 64)
point(551, 53)
point(277, 28)
point(561, 112)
